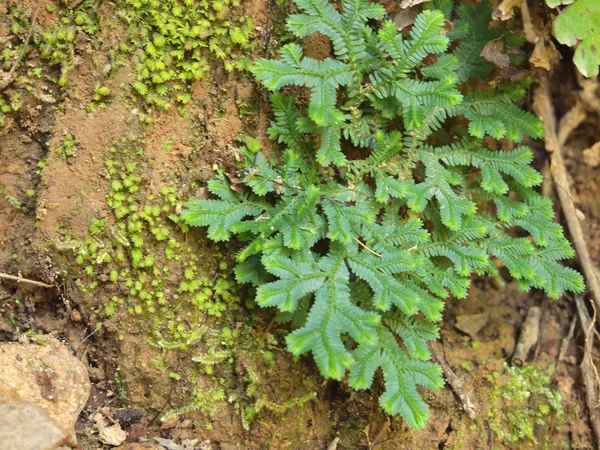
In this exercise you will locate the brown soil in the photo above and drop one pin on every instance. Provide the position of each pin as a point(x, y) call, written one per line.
point(69, 193)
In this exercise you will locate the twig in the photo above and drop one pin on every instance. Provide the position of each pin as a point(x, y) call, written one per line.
point(545, 110)
point(587, 367)
point(379, 438)
point(268, 30)
point(11, 75)
point(565, 343)
point(264, 335)
point(570, 121)
point(589, 343)
point(528, 337)
point(88, 336)
point(454, 382)
point(333, 445)
point(20, 279)
point(540, 329)
point(367, 248)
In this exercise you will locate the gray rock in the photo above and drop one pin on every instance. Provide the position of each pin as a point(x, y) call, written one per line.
point(27, 426)
point(47, 374)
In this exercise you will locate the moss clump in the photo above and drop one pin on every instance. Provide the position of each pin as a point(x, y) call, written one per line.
point(144, 253)
point(524, 406)
point(173, 42)
point(184, 303)
point(67, 148)
point(57, 43)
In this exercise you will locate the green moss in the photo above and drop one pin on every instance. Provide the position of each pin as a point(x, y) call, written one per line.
point(67, 148)
point(524, 406)
point(175, 43)
point(57, 43)
point(186, 302)
point(12, 201)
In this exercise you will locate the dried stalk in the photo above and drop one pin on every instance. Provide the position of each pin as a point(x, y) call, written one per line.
point(11, 75)
point(528, 337)
point(544, 108)
point(20, 279)
point(454, 382)
point(588, 368)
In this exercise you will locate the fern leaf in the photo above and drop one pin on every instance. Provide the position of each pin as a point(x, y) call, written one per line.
point(401, 375)
point(322, 77)
point(330, 151)
point(218, 215)
point(331, 315)
point(414, 333)
point(296, 280)
point(283, 129)
point(387, 289)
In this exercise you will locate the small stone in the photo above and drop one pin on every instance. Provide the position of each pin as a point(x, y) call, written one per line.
point(27, 426)
point(109, 434)
point(128, 416)
point(471, 324)
point(46, 373)
point(169, 423)
point(137, 446)
point(76, 316)
point(168, 444)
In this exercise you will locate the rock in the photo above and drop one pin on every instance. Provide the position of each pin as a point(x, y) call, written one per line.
point(136, 446)
point(137, 432)
point(109, 434)
point(472, 324)
point(27, 426)
point(128, 416)
point(45, 373)
point(170, 422)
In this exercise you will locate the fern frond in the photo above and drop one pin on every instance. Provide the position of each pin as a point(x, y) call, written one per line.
point(401, 375)
point(414, 334)
point(218, 215)
point(331, 315)
point(425, 38)
point(322, 77)
point(284, 129)
point(366, 224)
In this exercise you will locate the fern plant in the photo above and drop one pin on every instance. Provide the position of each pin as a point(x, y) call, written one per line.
point(372, 214)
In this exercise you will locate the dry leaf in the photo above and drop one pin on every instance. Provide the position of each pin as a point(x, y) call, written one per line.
point(493, 52)
point(472, 324)
point(591, 156)
point(410, 3)
point(405, 19)
point(504, 11)
point(580, 215)
point(543, 53)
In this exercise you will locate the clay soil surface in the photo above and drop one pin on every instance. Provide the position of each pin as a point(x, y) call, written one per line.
point(47, 203)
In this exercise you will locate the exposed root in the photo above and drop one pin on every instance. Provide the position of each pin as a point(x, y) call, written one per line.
point(589, 372)
point(454, 382)
point(528, 337)
point(20, 279)
point(545, 110)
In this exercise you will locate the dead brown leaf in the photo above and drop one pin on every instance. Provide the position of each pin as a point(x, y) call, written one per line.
point(405, 19)
point(543, 53)
point(410, 3)
point(493, 52)
point(504, 11)
point(591, 156)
